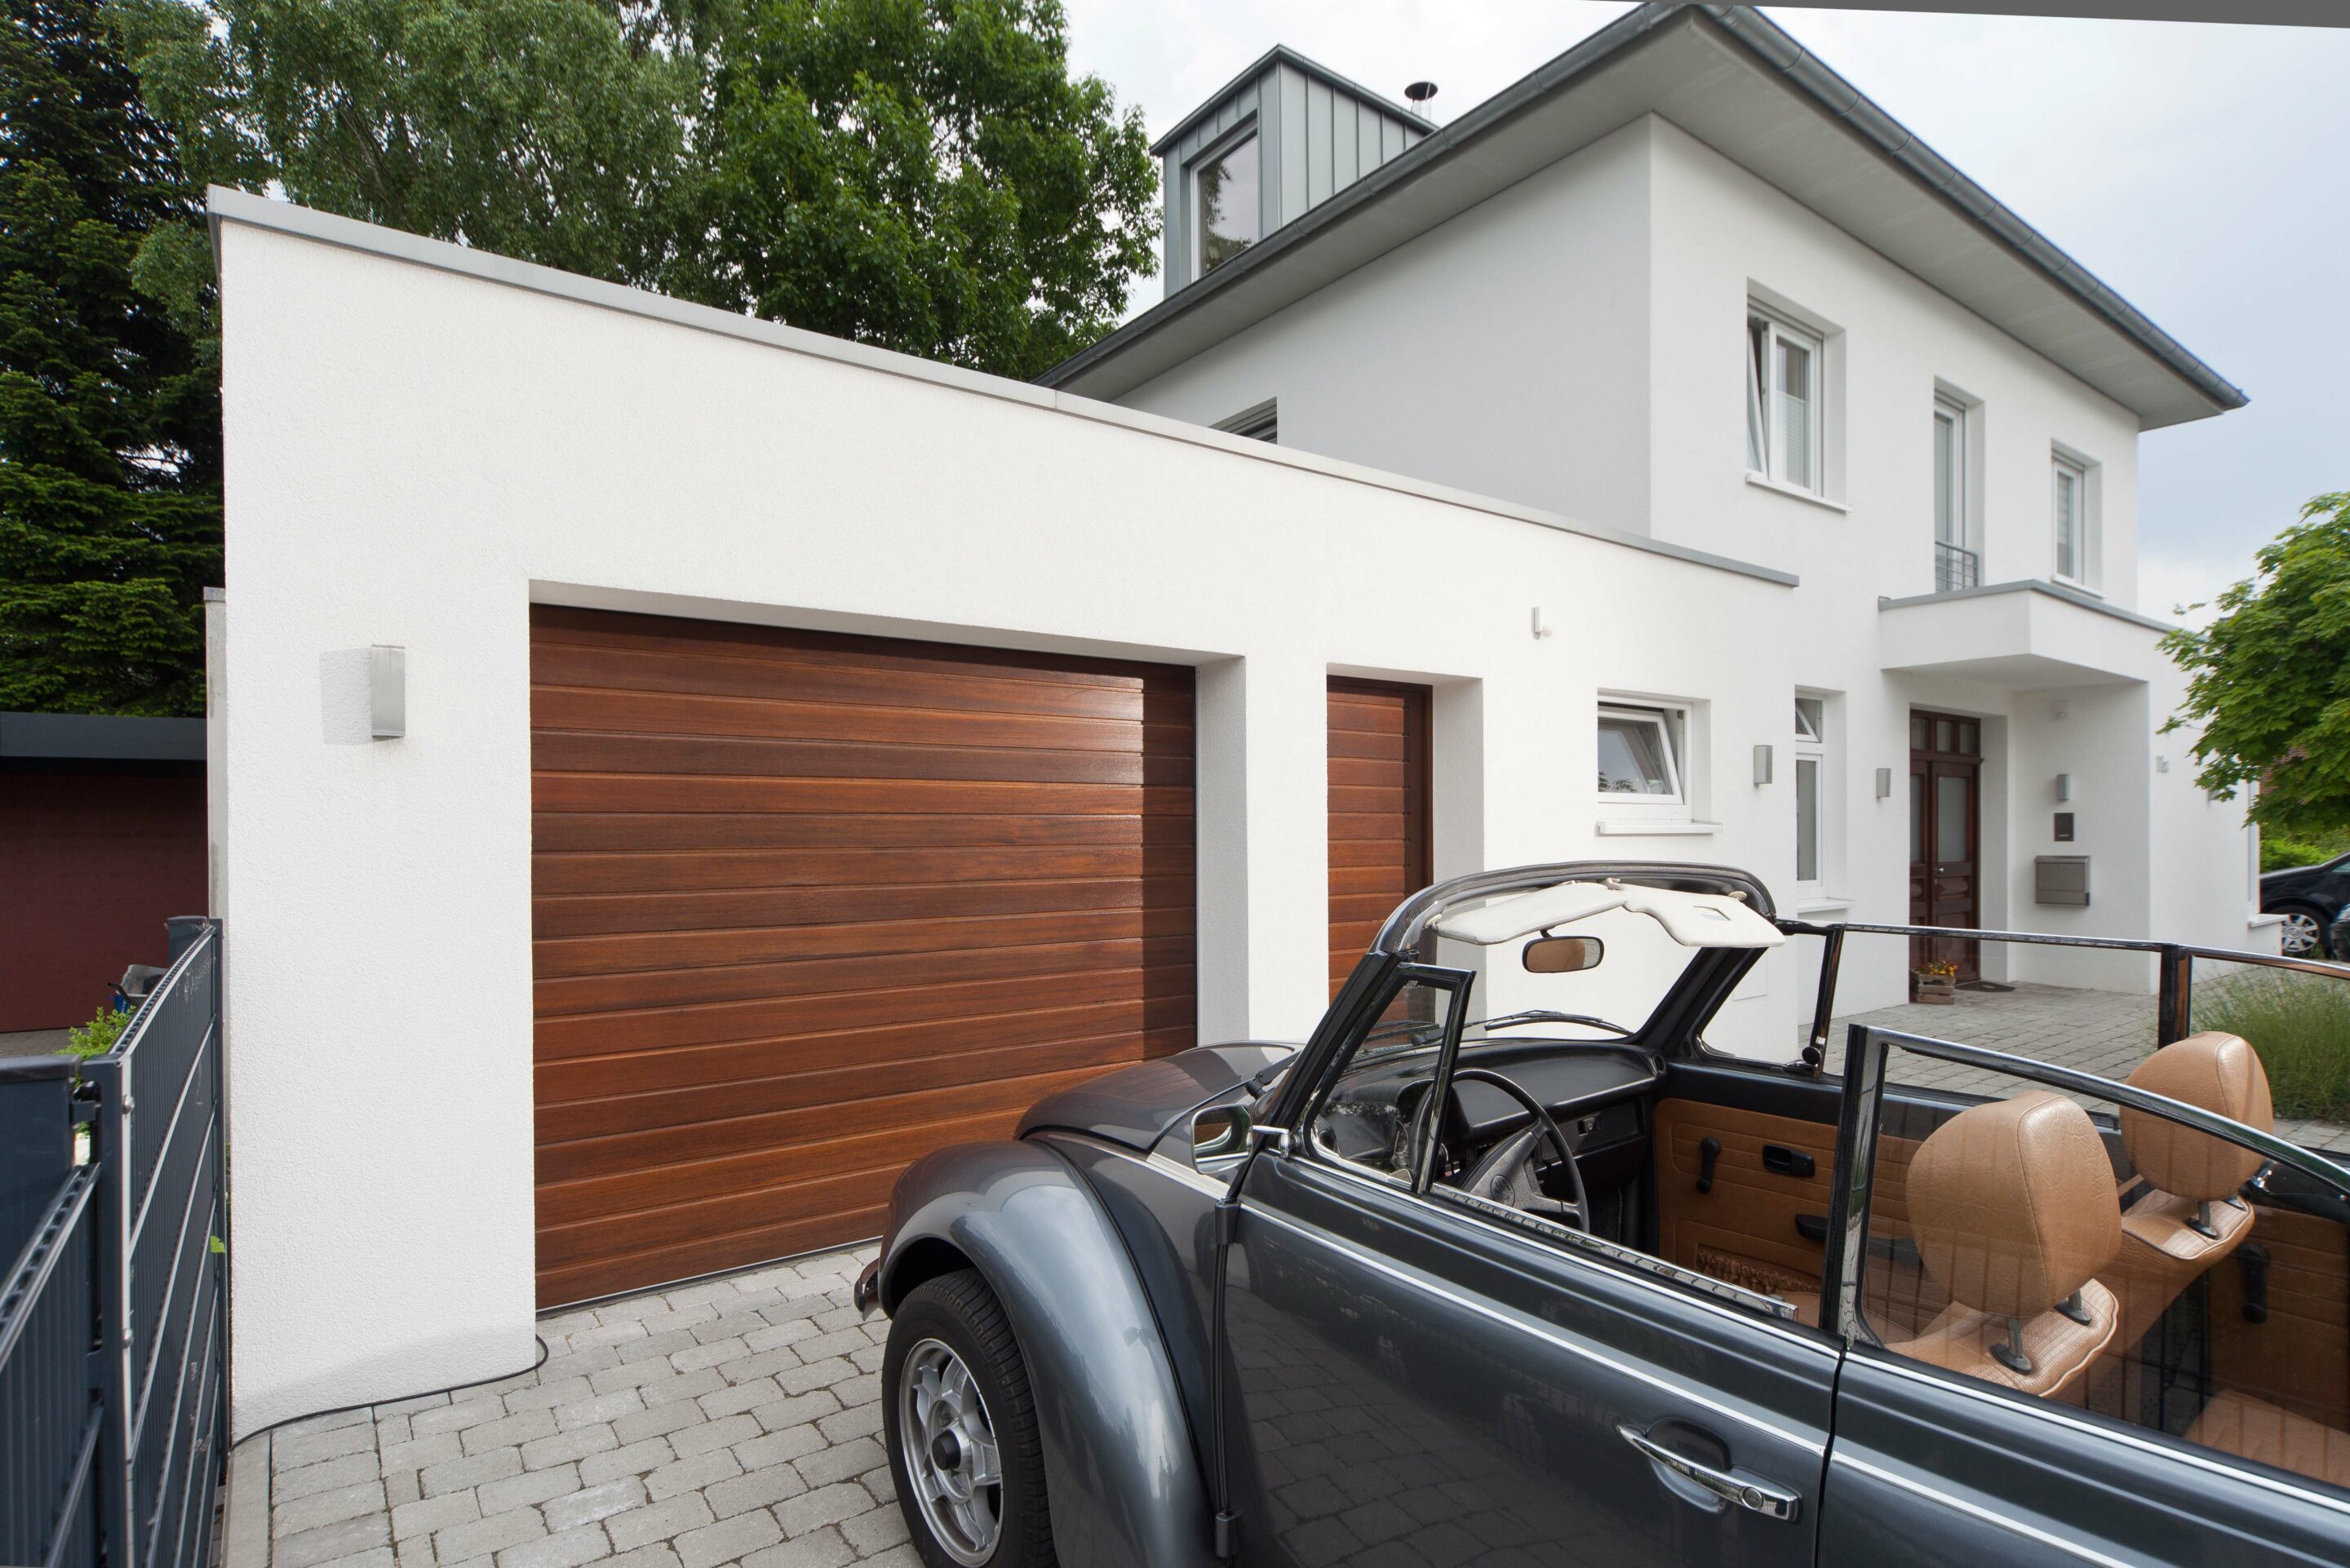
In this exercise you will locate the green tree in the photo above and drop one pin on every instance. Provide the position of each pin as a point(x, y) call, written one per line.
point(923, 175)
point(109, 422)
point(2268, 680)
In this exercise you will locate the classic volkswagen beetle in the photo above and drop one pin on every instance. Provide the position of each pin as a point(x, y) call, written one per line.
point(1477, 1274)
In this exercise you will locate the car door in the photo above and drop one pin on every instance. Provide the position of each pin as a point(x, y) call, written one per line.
point(2220, 1433)
point(1416, 1381)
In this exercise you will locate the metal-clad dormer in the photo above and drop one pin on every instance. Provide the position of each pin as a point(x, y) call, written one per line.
point(1283, 137)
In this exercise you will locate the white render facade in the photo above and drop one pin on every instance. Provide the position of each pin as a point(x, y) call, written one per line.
point(1572, 340)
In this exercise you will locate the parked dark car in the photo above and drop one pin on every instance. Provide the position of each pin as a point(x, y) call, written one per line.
point(1507, 1264)
point(2310, 897)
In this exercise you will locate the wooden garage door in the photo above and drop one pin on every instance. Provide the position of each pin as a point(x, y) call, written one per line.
point(1379, 811)
point(806, 907)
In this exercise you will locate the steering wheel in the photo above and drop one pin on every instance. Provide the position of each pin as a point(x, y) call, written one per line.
point(1507, 1174)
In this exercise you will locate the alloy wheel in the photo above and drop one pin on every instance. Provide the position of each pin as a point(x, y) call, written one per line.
point(2300, 937)
point(949, 1445)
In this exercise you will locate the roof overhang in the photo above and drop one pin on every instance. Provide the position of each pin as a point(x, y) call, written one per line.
point(1731, 78)
point(2019, 637)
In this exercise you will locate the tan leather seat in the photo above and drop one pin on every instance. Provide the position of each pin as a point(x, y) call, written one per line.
point(2016, 1213)
point(2190, 1219)
point(2255, 1429)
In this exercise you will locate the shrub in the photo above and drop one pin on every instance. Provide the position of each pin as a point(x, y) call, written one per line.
point(97, 1036)
point(2299, 1026)
point(2281, 852)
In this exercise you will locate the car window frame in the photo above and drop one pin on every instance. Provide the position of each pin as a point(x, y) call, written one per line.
point(1364, 1019)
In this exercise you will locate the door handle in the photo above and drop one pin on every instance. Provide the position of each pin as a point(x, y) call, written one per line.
point(1755, 1497)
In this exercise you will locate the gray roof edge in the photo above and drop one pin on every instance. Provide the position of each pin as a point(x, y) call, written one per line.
point(232, 206)
point(2073, 597)
point(1283, 55)
point(101, 737)
point(1775, 50)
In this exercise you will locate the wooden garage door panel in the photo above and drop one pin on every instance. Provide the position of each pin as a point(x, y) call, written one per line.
point(805, 906)
point(1379, 848)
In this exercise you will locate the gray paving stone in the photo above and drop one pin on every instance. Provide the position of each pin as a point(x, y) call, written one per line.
point(865, 1421)
point(590, 1504)
point(347, 1469)
point(457, 1475)
point(683, 1386)
point(329, 1421)
point(565, 1548)
point(474, 1411)
point(843, 1462)
point(548, 1393)
point(815, 1375)
point(791, 1331)
point(692, 1440)
point(429, 1514)
point(870, 1533)
point(419, 1452)
point(780, 1447)
point(652, 1346)
point(826, 1505)
point(409, 1406)
point(692, 1475)
point(311, 1448)
point(757, 1490)
point(659, 1421)
point(528, 1488)
point(818, 1548)
point(510, 1432)
point(661, 1521)
point(487, 1534)
point(728, 1539)
point(657, 1555)
point(374, 1557)
point(401, 1487)
point(566, 1447)
point(324, 1508)
point(695, 1354)
point(738, 1398)
point(634, 1459)
point(345, 1539)
point(797, 1411)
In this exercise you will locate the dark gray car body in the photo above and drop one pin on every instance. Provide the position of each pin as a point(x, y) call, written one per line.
point(1405, 1384)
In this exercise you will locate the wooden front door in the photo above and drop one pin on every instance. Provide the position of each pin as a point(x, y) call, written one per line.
point(1945, 836)
point(1379, 840)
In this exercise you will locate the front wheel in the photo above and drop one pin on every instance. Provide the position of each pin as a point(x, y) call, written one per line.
point(960, 1425)
point(2303, 934)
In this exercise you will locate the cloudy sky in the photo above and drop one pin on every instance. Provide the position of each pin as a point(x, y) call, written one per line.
point(2202, 170)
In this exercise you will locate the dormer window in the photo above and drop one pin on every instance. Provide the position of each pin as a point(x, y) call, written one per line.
point(1225, 204)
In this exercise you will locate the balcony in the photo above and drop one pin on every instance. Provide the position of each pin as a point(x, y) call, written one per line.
point(2019, 637)
point(1955, 567)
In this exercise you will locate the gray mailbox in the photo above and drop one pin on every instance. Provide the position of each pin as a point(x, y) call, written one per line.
point(2061, 879)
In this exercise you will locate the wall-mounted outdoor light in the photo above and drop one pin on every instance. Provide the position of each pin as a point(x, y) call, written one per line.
point(387, 691)
point(2064, 786)
point(1762, 765)
point(1885, 783)
point(1541, 626)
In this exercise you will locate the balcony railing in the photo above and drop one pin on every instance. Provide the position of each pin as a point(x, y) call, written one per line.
point(1955, 567)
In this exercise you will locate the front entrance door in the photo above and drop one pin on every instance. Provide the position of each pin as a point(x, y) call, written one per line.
point(1945, 836)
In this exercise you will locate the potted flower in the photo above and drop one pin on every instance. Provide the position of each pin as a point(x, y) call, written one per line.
point(1937, 984)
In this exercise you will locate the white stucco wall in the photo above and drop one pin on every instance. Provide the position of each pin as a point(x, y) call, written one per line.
point(415, 454)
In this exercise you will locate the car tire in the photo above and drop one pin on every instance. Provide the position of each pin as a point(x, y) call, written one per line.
point(2303, 934)
point(947, 1330)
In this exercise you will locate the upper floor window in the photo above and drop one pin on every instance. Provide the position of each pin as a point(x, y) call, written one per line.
point(1784, 401)
point(1811, 760)
point(1225, 207)
point(1956, 564)
point(2071, 500)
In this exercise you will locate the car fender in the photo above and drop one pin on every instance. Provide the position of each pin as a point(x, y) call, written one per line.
point(1122, 1476)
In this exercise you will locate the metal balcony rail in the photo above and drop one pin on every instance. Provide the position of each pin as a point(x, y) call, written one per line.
point(1955, 567)
point(112, 1330)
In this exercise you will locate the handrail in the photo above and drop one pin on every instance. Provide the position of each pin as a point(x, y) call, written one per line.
point(2051, 940)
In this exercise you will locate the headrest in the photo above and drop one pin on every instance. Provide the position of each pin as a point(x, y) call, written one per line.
point(2014, 1204)
point(2212, 1071)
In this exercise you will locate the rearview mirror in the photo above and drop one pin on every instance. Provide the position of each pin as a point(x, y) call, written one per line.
point(1562, 955)
point(1220, 1130)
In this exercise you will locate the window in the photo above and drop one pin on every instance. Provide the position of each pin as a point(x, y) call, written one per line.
point(1366, 1119)
point(2072, 507)
point(1955, 565)
point(1227, 215)
point(1811, 759)
point(1784, 429)
point(1640, 756)
point(1261, 422)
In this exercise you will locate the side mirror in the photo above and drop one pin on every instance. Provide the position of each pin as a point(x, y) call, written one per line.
point(1220, 1130)
point(1562, 955)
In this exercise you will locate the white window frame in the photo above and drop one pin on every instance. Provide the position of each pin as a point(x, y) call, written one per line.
point(1199, 166)
point(2063, 465)
point(1672, 722)
point(1765, 438)
point(1811, 747)
point(1956, 412)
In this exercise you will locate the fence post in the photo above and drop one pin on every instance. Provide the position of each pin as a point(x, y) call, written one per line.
point(110, 1149)
point(2175, 998)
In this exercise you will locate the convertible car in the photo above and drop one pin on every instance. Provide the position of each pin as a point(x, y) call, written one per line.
point(1507, 1264)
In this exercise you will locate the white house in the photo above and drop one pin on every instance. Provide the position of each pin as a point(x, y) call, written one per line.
point(1685, 282)
point(800, 756)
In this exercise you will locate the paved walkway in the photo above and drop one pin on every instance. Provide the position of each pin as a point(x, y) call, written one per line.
point(733, 1421)
point(2102, 1032)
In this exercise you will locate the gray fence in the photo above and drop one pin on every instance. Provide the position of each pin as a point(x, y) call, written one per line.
point(112, 1319)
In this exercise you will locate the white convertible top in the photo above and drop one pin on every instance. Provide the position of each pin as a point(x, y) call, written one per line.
point(1692, 919)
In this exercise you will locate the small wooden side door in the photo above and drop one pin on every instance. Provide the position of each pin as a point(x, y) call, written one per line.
point(1380, 849)
point(1945, 836)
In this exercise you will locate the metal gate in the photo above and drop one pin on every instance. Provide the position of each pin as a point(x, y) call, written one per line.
point(113, 1332)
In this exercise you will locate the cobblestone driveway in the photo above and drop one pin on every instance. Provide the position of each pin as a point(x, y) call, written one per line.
point(732, 1421)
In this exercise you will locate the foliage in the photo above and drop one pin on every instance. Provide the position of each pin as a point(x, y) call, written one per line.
point(920, 174)
point(97, 1036)
point(2300, 1026)
point(2281, 852)
point(1939, 969)
point(110, 425)
point(2268, 680)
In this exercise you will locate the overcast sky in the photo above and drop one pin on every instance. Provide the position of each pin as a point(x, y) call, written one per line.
point(2202, 170)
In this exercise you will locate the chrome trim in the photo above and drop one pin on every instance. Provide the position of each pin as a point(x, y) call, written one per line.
point(1770, 1500)
point(1975, 1510)
point(1616, 1252)
point(1525, 1326)
point(2185, 1453)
